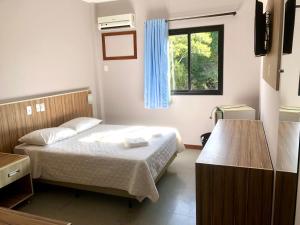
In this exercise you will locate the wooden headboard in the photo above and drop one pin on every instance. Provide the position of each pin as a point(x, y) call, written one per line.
point(59, 108)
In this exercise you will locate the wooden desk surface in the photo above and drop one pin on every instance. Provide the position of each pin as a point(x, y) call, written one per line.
point(9, 217)
point(288, 147)
point(237, 143)
point(6, 159)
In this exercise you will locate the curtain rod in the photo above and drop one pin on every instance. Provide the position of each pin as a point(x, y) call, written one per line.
point(204, 16)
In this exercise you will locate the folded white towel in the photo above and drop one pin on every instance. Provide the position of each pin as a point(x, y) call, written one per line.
point(135, 142)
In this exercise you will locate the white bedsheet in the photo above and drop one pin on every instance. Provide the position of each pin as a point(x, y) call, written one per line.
point(98, 157)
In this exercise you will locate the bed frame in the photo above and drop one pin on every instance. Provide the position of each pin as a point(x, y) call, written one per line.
point(60, 107)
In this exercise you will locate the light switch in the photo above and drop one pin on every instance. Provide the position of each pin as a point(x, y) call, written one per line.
point(42, 107)
point(29, 110)
point(105, 68)
point(38, 107)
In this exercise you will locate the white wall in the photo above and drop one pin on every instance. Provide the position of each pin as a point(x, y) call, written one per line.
point(123, 83)
point(269, 108)
point(46, 46)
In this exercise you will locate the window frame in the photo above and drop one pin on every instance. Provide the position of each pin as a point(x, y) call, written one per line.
point(188, 32)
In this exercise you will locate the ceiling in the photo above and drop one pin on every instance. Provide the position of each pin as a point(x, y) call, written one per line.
point(98, 1)
point(202, 6)
point(177, 8)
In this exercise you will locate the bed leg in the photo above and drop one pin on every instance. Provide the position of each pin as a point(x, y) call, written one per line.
point(130, 205)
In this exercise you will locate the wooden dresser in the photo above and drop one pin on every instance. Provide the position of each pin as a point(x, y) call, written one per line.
point(286, 181)
point(234, 176)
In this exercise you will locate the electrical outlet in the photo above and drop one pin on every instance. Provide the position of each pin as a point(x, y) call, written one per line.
point(42, 107)
point(29, 110)
point(38, 107)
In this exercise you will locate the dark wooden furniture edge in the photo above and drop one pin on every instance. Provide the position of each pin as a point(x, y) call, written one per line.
point(21, 218)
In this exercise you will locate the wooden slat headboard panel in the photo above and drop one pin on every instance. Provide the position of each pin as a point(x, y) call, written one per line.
point(14, 121)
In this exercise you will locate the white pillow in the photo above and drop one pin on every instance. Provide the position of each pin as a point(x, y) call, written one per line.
point(47, 136)
point(81, 123)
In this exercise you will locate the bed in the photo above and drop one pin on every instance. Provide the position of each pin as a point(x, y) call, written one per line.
point(97, 160)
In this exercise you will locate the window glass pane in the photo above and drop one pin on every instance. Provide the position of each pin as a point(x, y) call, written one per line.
point(204, 61)
point(178, 51)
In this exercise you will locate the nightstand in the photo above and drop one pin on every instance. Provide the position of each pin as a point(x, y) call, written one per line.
point(15, 179)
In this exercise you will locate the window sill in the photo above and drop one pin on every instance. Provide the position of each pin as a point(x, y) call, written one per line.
point(211, 92)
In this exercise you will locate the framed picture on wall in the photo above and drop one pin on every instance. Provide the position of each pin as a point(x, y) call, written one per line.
point(119, 45)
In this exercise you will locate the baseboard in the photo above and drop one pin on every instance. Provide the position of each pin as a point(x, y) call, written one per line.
point(196, 147)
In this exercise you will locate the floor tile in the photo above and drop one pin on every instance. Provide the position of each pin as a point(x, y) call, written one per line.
point(176, 205)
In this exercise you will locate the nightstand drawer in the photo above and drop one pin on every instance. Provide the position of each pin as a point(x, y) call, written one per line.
point(14, 171)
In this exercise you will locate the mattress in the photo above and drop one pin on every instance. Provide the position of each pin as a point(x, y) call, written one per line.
point(98, 157)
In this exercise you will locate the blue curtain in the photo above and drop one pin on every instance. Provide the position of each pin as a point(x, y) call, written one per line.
point(156, 80)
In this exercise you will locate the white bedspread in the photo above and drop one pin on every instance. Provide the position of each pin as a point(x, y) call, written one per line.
point(98, 157)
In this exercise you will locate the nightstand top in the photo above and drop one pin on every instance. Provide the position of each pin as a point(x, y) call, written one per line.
point(6, 158)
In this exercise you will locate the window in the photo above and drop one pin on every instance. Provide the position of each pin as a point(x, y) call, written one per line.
point(196, 60)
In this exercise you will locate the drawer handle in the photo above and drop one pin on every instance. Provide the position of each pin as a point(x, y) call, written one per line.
point(13, 173)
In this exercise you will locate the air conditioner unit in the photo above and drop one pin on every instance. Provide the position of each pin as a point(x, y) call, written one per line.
point(117, 21)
